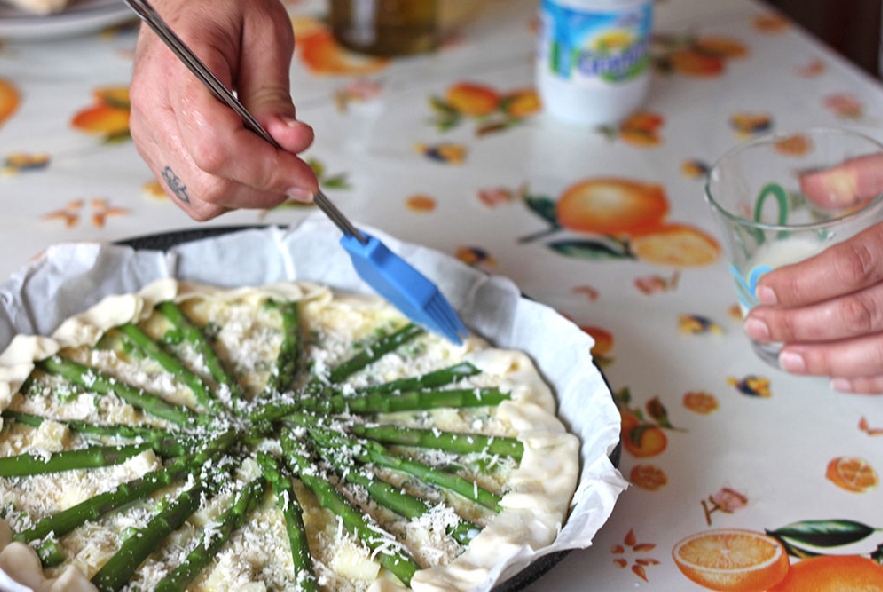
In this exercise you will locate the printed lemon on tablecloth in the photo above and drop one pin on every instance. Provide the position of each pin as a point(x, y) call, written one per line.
point(732, 560)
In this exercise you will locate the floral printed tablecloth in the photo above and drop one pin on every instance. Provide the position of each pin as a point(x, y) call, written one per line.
point(452, 151)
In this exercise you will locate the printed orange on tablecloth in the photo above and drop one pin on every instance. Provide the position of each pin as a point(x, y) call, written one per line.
point(649, 477)
point(794, 145)
point(613, 206)
point(603, 339)
point(750, 123)
point(833, 573)
point(641, 129)
point(676, 245)
point(321, 54)
point(732, 560)
point(475, 100)
point(521, 103)
point(108, 116)
point(420, 203)
point(644, 441)
point(9, 99)
point(493, 110)
point(696, 57)
point(701, 402)
point(771, 23)
point(852, 474)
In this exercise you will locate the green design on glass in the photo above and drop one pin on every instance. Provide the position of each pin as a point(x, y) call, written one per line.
point(783, 203)
point(781, 196)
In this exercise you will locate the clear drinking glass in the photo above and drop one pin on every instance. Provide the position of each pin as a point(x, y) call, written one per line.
point(767, 221)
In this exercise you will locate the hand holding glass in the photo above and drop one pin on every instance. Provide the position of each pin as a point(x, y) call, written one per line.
point(757, 196)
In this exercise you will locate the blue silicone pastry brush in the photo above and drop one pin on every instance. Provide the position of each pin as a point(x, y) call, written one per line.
point(388, 274)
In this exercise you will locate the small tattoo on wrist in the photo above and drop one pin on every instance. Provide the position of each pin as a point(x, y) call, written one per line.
point(175, 185)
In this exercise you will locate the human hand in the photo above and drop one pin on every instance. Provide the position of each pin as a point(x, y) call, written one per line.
point(828, 310)
point(199, 148)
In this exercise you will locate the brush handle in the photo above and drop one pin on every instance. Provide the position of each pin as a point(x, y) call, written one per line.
point(149, 15)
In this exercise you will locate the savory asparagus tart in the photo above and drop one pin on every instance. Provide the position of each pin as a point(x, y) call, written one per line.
point(286, 437)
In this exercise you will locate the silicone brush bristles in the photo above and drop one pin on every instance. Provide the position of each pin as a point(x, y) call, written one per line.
point(403, 286)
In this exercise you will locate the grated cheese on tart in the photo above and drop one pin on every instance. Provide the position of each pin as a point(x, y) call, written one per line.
point(287, 384)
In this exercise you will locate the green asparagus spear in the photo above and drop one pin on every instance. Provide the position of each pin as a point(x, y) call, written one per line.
point(430, 380)
point(280, 480)
point(50, 553)
point(128, 432)
point(61, 523)
point(192, 333)
point(374, 351)
point(27, 464)
point(393, 498)
point(384, 403)
point(103, 384)
point(285, 368)
point(171, 364)
point(93, 508)
point(373, 452)
point(389, 552)
point(118, 570)
point(209, 544)
point(438, 440)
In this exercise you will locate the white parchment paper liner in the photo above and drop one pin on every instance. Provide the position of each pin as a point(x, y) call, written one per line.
point(67, 279)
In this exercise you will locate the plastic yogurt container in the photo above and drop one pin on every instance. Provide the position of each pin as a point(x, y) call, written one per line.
point(593, 61)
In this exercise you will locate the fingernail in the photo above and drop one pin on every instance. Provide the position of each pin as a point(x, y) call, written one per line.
point(292, 121)
point(841, 187)
point(300, 194)
point(792, 362)
point(765, 295)
point(756, 329)
point(841, 385)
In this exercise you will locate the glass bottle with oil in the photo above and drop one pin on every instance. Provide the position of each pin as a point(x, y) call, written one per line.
point(385, 27)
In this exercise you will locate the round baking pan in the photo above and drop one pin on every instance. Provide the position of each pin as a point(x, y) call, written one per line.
point(166, 240)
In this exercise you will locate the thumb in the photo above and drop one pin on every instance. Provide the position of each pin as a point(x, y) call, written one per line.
point(263, 80)
point(275, 111)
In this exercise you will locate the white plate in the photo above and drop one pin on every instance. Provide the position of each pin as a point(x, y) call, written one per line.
point(81, 17)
